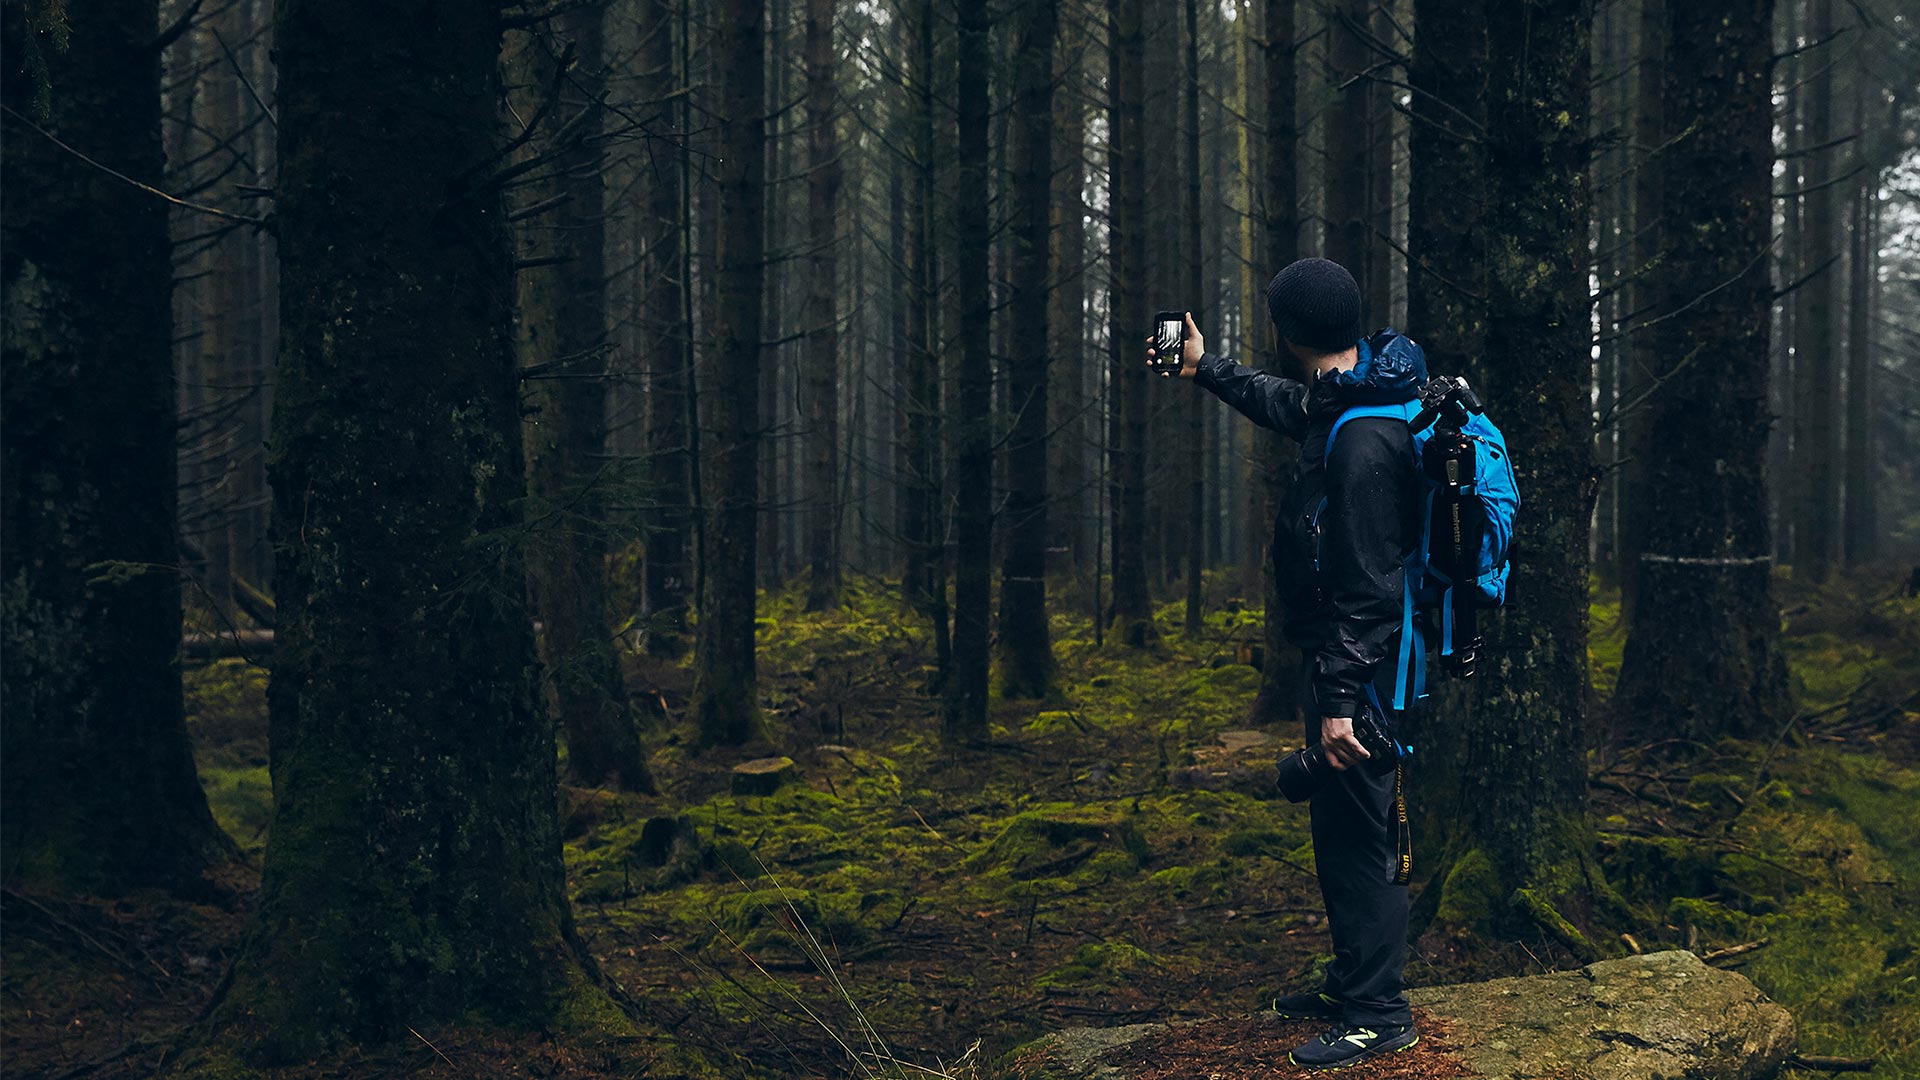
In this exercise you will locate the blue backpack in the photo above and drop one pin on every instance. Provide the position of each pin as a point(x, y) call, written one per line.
point(1486, 501)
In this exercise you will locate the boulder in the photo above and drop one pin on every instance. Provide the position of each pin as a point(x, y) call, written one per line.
point(1663, 1016)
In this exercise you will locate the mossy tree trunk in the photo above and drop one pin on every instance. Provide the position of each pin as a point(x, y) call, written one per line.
point(413, 875)
point(1026, 646)
point(1499, 292)
point(1128, 320)
point(725, 689)
point(100, 794)
point(562, 342)
point(965, 718)
point(1703, 654)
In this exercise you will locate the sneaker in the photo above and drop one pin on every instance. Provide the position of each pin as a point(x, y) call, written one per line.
point(1347, 1044)
point(1308, 1006)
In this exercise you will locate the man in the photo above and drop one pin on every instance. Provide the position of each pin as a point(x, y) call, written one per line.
point(1340, 593)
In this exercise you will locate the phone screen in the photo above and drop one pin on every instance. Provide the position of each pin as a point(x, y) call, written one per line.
point(1168, 339)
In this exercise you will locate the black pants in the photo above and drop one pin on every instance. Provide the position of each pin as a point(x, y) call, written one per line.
point(1355, 840)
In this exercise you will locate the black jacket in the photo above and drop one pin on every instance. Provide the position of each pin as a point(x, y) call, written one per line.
point(1345, 613)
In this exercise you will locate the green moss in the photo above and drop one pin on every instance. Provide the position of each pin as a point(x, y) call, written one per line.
point(1606, 638)
point(241, 800)
point(1471, 892)
point(1101, 964)
point(1709, 917)
point(1544, 915)
point(584, 1009)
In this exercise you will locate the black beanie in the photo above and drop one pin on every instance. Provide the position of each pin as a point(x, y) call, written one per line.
point(1316, 304)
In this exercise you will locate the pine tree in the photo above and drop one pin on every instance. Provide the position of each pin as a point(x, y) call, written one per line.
point(413, 872)
point(1704, 659)
point(100, 794)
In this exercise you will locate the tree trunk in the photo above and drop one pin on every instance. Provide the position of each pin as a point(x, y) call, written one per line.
point(1861, 470)
point(1504, 296)
point(822, 316)
point(1816, 522)
point(1070, 517)
point(1195, 288)
point(1346, 138)
point(413, 873)
point(966, 690)
point(562, 337)
point(725, 691)
point(1644, 299)
point(925, 516)
point(99, 789)
point(668, 340)
point(1128, 321)
point(1703, 659)
point(1026, 646)
point(1278, 700)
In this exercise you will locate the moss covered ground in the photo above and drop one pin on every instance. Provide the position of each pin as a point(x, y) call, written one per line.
point(900, 899)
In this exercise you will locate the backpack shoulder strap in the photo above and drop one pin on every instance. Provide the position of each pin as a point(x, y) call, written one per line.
point(1402, 411)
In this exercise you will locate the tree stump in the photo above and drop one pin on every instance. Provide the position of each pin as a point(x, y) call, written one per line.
point(763, 776)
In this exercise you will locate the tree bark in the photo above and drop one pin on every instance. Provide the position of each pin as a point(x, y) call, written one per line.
point(1280, 670)
point(925, 515)
point(1703, 659)
point(413, 873)
point(822, 317)
point(1128, 322)
point(1347, 131)
point(1816, 521)
point(1195, 288)
point(668, 357)
point(725, 691)
point(1861, 472)
point(1071, 517)
point(1644, 299)
point(965, 718)
point(100, 794)
point(1502, 294)
point(562, 336)
point(1026, 646)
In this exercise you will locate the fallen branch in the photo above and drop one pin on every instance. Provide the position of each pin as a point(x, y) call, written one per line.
point(1829, 1064)
point(1732, 951)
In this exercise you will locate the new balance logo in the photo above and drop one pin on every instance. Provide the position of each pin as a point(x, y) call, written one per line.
point(1361, 1037)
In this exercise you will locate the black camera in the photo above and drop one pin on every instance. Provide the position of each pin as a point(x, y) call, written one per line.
point(1306, 771)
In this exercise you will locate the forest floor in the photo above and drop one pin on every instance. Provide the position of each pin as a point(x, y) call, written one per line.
point(1116, 855)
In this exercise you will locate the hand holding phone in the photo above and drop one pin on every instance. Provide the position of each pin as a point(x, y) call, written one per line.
point(1175, 345)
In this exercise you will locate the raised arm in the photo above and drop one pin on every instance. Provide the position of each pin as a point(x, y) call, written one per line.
point(1267, 400)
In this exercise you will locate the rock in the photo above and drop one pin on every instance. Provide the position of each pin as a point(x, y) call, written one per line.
point(763, 776)
point(1664, 1015)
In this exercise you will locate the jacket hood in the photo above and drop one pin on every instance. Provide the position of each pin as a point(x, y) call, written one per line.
point(1392, 369)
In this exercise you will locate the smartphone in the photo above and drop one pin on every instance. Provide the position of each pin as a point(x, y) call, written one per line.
point(1169, 340)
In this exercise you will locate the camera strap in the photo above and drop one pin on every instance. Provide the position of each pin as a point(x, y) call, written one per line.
point(1403, 848)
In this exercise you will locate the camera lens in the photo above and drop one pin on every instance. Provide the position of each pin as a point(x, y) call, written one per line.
point(1302, 773)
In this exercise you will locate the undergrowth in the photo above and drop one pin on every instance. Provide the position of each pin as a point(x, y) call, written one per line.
point(903, 895)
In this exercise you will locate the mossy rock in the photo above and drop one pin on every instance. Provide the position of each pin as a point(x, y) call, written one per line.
point(1054, 839)
point(1104, 963)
